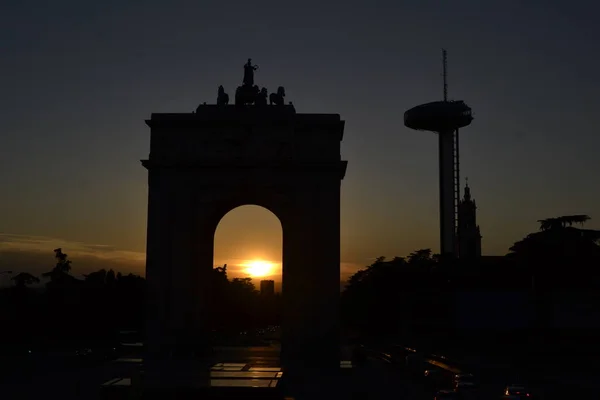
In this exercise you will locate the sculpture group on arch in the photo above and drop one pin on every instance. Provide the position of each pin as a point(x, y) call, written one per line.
point(249, 93)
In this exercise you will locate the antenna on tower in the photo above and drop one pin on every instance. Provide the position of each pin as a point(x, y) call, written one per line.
point(445, 74)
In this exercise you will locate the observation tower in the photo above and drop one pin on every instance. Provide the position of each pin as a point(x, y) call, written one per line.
point(444, 118)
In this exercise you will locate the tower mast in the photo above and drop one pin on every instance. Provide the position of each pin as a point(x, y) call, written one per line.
point(456, 172)
point(444, 117)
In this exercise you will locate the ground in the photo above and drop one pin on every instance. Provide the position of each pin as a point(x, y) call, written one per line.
point(66, 377)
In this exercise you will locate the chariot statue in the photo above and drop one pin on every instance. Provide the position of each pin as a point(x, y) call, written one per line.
point(248, 92)
point(246, 95)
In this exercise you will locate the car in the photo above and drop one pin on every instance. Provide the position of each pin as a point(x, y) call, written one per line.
point(516, 391)
point(466, 377)
point(436, 376)
point(447, 394)
point(464, 382)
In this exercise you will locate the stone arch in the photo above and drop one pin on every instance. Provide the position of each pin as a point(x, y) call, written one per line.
point(275, 207)
point(202, 166)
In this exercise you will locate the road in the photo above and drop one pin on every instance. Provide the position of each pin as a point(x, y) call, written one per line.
point(493, 378)
point(65, 378)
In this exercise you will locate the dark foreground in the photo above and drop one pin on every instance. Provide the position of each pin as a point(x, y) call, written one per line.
point(381, 376)
point(62, 377)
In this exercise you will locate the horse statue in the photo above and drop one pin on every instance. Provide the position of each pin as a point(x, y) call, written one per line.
point(222, 97)
point(277, 98)
point(246, 95)
point(261, 98)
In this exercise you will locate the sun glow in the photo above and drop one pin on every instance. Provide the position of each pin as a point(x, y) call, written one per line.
point(259, 268)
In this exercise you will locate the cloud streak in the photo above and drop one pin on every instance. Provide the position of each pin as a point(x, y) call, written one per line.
point(12, 242)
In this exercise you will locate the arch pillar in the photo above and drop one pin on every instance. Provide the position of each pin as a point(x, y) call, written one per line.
point(311, 278)
point(178, 266)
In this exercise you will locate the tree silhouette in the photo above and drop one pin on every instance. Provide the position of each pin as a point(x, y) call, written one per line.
point(243, 302)
point(562, 222)
point(24, 279)
point(243, 287)
point(111, 279)
point(62, 264)
point(69, 310)
point(220, 277)
point(410, 297)
point(59, 275)
point(96, 279)
point(404, 295)
point(219, 295)
point(558, 257)
point(421, 258)
point(399, 295)
point(558, 243)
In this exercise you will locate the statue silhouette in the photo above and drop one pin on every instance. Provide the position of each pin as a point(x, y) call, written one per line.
point(222, 97)
point(246, 94)
point(261, 98)
point(277, 98)
point(249, 73)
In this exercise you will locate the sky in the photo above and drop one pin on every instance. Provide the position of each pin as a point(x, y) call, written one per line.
point(79, 78)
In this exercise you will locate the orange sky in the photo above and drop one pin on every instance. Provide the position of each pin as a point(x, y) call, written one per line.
point(74, 132)
point(244, 235)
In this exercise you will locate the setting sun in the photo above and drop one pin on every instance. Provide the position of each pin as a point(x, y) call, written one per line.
point(259, 268)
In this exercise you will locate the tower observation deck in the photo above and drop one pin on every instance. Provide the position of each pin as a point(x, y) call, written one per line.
point(444, 118)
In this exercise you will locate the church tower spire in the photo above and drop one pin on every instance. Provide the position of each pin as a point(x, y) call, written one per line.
point(467, 196)
point(469, 236)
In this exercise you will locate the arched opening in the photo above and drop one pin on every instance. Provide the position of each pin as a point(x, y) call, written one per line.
point(247, 264)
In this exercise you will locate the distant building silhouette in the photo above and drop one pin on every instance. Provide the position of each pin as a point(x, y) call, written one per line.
point(469, 236)
point(267, 287)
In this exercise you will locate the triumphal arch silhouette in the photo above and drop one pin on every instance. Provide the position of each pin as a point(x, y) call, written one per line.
point(204, 164)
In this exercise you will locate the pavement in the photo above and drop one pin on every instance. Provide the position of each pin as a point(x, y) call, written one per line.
point(65, 377)
point(377, 379)
point(68, 378)
point(56, 378)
